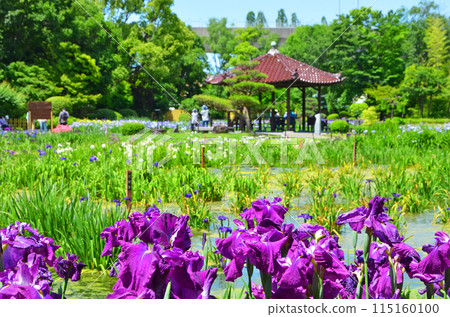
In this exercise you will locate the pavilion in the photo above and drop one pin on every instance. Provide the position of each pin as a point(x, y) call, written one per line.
point(285, 72)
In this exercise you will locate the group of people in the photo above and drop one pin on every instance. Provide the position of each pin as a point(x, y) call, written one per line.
point(195, 118)
point(62, 120)
point(4, 123)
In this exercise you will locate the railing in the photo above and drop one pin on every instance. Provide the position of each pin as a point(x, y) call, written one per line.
point(18, 123)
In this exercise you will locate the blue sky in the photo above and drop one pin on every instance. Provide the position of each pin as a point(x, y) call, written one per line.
point(198, 12)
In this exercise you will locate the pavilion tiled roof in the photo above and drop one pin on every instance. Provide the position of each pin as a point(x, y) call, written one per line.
point(281, 70)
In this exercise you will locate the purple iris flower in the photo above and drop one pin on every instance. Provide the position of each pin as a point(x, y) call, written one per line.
point(118, 202)
point(199, 185)
point(396, 195)
point(48, 146)
point(374, 219)
point(63, 158)
point(42, 153)
point(195, 192)
point(432, 268)
point(305, 216)
point(225, 229)
point(188, 195)
point(222, 218)
point(334, 195)
point(159, 200)
point(69, 268)
point(369, 181)
point(206, 220)
point(82, 198)
point(156, 164)
point(75, 164)
point(93, 158)
point(265, 212)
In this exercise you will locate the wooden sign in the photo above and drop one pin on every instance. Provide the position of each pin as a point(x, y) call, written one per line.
point(40, 110)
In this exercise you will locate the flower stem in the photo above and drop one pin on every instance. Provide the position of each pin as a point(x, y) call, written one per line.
point(317, 286)
point(266, 281)
point(249, 273)
point(66, 281)
point(430, 290)
point(392, 275)
point(367, 242)
point(447, 281)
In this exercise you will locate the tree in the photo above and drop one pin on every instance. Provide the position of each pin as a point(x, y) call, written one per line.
point(244, 87)
point(165, 50)
point(420, 85)
point(80, 76)
point(282, 20)
point(221, 42)
point(370, 53)
point(294, 20)
point(356, 109)
point(387, 97)
point(308, 43)
point(437, 42)
point(32, 81)
point(261, 19)
point(251, 19)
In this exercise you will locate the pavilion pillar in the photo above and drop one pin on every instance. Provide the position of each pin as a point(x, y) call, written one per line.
point(319, 99)
point(288, 109)
point(259, 115)
point(304, 108)
point(228, 119)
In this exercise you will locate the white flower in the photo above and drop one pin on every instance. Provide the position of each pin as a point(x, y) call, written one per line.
point(92, 146)
point(103, 145)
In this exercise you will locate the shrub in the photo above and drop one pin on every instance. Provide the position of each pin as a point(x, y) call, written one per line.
point(356, 109)
point(344, 114)
point(107, 114)
point(12, 103)
point(126, 113)
point(131, 128)
point(369, 116)
point(60, 102)
point(184, 117)
point(339, 126)
point(333, 116)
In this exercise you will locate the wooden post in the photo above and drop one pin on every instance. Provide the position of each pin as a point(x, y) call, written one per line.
point(29, 120)
point(354, 153)
point(319, 99)
point(203, 156)
point(229, 119)
point(51, 121)
point(129, 189)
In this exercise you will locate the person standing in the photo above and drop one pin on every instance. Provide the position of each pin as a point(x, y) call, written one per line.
point(194, 120)
point(42, 125)
point(4, 123)
point(63, 117)
point(205, 116)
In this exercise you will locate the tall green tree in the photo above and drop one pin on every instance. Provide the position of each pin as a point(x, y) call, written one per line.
point(437, 43)
point(251, 19)
point(369, 53)
point(282, 20)
point(261, 19)
point(165, 50)
point(422, 85)
point(221, 42)
point(294, 20)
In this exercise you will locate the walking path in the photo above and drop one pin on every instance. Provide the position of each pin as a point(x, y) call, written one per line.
point(291, 134)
